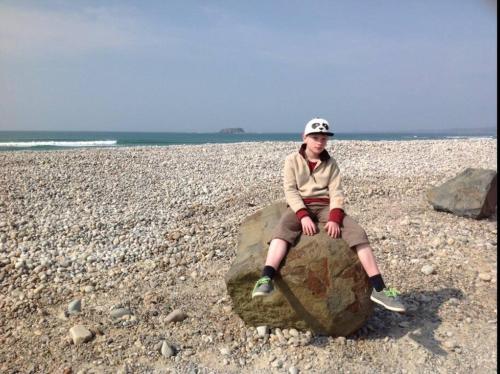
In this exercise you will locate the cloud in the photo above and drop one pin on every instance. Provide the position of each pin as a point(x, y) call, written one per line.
point(34, 32)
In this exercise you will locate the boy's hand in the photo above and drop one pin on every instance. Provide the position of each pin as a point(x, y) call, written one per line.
point(333, 229)
point(308, 226)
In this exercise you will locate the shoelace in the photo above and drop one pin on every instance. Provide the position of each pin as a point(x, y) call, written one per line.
point(262, 281)
point(391, 292)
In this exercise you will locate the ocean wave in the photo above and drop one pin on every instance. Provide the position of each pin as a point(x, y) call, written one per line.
point(59, 143)
point(470, 137)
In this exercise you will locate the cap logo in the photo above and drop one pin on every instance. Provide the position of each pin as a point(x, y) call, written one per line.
point(320, 126)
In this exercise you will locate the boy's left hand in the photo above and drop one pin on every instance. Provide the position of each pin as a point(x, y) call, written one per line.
point(333, 229)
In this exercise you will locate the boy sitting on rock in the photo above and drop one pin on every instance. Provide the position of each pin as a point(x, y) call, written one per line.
point(313, 192)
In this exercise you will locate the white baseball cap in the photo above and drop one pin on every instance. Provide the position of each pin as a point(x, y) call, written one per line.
point(317, 126)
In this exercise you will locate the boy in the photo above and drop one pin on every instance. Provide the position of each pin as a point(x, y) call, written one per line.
point(313, 191)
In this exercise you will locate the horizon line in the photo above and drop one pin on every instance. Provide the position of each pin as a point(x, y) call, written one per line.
point(479, 129)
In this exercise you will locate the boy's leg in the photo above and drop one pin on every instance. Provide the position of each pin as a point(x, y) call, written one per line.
point(367, 259)
point(356, 238)
point(276, 253)
point(285, 233)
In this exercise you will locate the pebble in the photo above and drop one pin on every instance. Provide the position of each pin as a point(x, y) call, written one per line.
point(175, 316)
point(341, 340)
point(436, 242)
point(293, 370)
point(450, 344)
point(75, 306)
point(427, 269)
point(293, 332)
point(80, 334)
point(225, 351)
point(167, 350)
point(277, 364)
point(262, 331)
point(88, 289)
point(120, 313)
point(486, 277)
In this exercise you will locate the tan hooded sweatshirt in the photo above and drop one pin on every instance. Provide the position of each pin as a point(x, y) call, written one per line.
point(322, 182)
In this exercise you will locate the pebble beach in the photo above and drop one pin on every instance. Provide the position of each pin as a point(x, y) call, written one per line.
point(113, 261)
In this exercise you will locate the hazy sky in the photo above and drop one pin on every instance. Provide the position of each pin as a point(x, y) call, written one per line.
point(266, 66)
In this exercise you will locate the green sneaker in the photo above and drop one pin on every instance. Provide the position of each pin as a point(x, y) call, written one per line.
point(263, 287)
point(389, 299)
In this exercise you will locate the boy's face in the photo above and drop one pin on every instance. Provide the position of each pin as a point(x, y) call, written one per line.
point(316, 142)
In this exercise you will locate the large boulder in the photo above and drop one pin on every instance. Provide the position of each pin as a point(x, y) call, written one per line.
point(472, 193)
point(321, 285)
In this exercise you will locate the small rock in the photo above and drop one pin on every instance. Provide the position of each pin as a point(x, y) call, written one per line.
point(293, 370)
point(486, 277)
point(293, 332)
point(450, 344)
point(341, 340)
point(405, 221)
point(225, 351)
point(167, 350)
point(63, 315)
point(427, 269)
point(75, 306)
point(262, 330)
point(120, 313)
point(80, 334)
point(175, 316)
point(88, 289)
point(404, 324)
point(436, 242)
point(277, 364)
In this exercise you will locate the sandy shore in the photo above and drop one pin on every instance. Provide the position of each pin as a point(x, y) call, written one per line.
point(151, 230)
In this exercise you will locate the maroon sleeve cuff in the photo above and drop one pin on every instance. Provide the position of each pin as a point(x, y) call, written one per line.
point(336, 215)
point(301, 213)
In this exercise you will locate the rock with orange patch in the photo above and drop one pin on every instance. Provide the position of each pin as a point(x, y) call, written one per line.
point(321, 285)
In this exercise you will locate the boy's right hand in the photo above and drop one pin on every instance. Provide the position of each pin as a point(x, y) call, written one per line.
point(308, 226)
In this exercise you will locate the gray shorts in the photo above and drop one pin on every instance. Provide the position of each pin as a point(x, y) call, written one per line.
point(289, 227)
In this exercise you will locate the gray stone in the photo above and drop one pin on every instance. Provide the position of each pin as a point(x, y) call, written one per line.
point(75, 306)
point(472, 193)
point(321, 285)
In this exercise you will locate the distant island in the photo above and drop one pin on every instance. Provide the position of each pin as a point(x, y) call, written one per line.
point(232, 130)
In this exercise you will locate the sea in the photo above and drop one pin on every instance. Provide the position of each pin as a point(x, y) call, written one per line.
point(53, 140)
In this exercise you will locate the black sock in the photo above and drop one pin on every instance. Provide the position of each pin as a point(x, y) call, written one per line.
point(268, 271)
point(377, 282)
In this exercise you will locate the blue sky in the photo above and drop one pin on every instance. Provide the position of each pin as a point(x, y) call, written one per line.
point(266, 66)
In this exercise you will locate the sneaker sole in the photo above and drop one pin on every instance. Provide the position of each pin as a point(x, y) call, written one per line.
point(394, 309)
point(261, 294)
